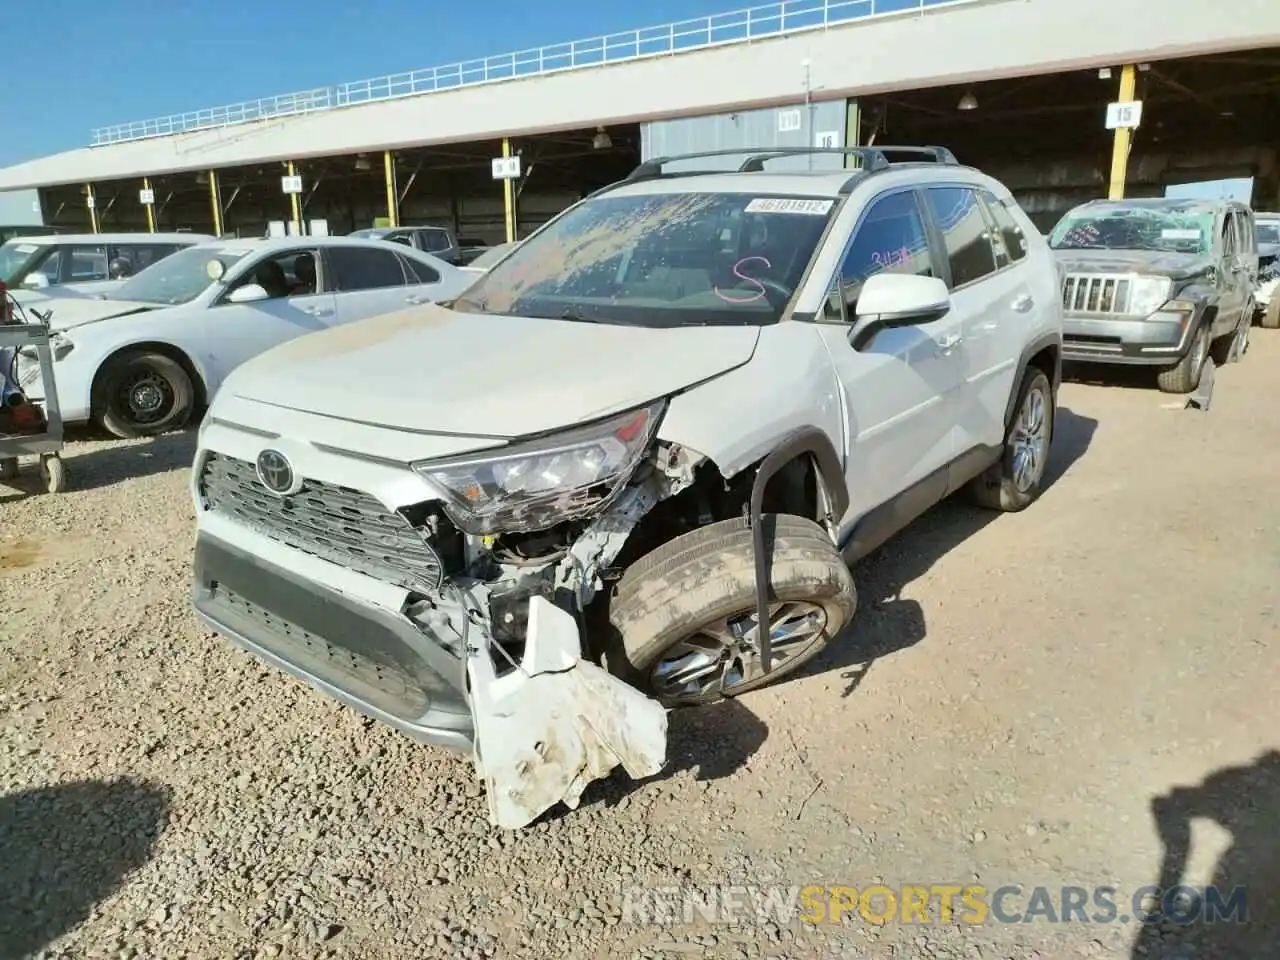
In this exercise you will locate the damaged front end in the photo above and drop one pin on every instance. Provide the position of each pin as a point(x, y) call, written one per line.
point(542, 522)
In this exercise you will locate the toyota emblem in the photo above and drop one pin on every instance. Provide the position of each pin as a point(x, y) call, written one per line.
point(276, 473)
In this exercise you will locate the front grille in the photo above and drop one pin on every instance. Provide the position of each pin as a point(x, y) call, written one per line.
point(338, 524)
point(1095, 293)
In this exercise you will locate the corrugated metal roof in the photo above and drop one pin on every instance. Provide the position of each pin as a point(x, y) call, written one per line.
point(948, 44)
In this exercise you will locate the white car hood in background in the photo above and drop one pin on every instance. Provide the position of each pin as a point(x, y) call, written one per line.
point(70, 312)
point(432, 370)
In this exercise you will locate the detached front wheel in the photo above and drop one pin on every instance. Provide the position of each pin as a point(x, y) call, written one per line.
point(684, 615)
point(140, 394)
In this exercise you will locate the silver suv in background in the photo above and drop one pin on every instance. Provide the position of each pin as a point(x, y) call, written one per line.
point(1165, 283)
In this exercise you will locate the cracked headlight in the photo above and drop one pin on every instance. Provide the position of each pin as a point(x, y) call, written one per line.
point(1149, 294)
point(536, 484)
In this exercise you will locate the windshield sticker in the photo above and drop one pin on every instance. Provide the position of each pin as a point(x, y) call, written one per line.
point(746, 296)
point(810, 208)
point(1179, 234)
point(215, 269)
point(26, 248)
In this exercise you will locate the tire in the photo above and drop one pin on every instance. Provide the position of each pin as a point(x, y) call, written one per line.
point(1012, 484)
point(670, 594)
point(1184, 376)
point(8, 468)
point(129, 385)
point(53, 472)
point(1271, 316)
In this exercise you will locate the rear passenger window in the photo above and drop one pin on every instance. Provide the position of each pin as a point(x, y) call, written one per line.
point(86, 263)
point(1014, 240)
point(959, 217)
point(364, 268)
point(891, 239)
point(420, 272)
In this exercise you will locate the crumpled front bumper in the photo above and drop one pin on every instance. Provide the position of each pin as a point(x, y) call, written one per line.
point(539, 733)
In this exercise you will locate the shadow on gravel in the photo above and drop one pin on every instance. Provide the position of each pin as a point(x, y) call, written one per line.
point(65, 848)
point(885, 621)
point(106, 466)
point(714, 741)
point(1246, 801)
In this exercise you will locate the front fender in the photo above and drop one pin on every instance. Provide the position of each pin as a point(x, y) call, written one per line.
point(75, 373)
point(740, 417)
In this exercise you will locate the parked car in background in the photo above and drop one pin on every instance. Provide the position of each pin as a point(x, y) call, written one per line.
point(437, 241)
point(1165, 283)
point(1267, 294)
point(7, 233)
point(36, 269)
point(530, 521)
point(489, 256)
point(140, 359)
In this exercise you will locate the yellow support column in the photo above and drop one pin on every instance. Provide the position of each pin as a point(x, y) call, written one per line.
point(91, 202)
point(295, 204)
point(509, 195)
point(393, 192)
point(151, 207)
point(215, 201)
point(1123, 136)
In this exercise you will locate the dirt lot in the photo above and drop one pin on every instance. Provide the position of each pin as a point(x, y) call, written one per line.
point(1015, 703)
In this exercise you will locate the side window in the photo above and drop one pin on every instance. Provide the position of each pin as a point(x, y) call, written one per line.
point(85, 262)
point(1229, 247)
point(420, 272)
point(401, 238)
point(434, 240)
point(365, 268)
point(290, 274)
point(51, 265)
point(139, 256)
point(959, 218)
point(1244, 234)
point(890, 239)
point(1014, 240)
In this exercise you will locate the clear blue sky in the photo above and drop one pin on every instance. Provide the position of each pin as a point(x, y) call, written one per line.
point(81, 64)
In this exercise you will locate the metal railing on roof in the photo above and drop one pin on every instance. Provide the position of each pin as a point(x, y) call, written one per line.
point(720, 29)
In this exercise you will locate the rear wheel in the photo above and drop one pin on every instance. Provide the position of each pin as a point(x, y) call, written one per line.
point(1184, 376)
point(1015, 482)
point(684, 615)
point(142, 393)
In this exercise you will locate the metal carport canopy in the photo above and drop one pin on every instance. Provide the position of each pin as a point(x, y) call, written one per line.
point(968, 40)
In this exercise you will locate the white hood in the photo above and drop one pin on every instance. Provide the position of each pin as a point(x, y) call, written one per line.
point(436, 371)
point(70, 312)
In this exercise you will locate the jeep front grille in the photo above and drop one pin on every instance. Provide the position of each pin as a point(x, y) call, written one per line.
point(1095, 293)
point(337, 524)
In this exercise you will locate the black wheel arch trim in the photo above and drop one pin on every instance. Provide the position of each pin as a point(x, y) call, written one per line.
point(1047, 341)
point(800, 442)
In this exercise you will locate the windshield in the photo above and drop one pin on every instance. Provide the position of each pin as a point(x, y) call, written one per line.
point(369, 233)
point(1268, 231)
point(17, 257)
point(179, 277)
point(660, 260)
point(1166, 229)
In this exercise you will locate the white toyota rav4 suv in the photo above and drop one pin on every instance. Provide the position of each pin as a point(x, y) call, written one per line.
point(527, 521)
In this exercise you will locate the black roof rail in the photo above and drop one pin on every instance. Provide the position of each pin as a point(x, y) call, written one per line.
point(873, 158)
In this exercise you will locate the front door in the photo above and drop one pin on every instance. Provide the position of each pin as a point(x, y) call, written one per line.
point(298, 302)
point(900, 387)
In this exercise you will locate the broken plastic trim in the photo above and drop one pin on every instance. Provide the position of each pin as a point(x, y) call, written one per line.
point(805, 440)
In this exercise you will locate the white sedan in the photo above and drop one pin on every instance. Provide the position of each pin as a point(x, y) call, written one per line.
point(139, 360)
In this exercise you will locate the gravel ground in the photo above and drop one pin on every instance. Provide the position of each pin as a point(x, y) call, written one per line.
point(1016, 702)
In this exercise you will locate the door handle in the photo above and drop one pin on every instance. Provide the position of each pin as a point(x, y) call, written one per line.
point(947, 344)
point(415, 299)
point(1024, 303)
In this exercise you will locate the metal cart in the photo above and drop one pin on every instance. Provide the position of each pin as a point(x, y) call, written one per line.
point(46, 445)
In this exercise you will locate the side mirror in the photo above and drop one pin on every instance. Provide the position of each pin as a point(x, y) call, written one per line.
point(897, 300)
point(249, 293)
point(35, 281)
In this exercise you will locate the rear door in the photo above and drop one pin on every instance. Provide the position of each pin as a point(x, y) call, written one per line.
point(1233, 277)
point(367, 281)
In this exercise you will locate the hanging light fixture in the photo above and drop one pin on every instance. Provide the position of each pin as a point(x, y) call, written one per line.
point(602, 140)
point(362, 163)
point(968, 102)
